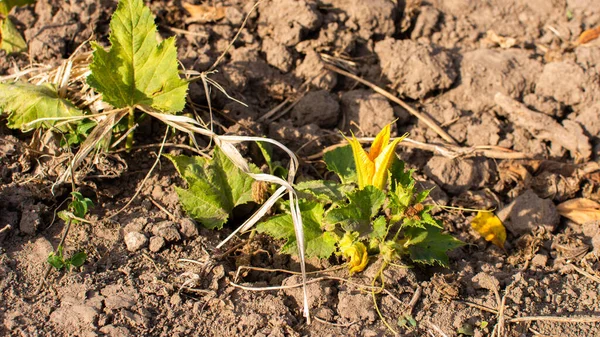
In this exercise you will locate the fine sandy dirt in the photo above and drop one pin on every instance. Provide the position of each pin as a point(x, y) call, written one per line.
point(500, 73)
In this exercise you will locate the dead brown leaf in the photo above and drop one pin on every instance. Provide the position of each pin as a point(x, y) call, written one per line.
point(589, 35)
point(203, 13)
point(580, 210)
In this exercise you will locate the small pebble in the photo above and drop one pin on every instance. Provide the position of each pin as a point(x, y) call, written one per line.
point(156, 243)
point(167, 230)
point(188, 228)
point(135, 241)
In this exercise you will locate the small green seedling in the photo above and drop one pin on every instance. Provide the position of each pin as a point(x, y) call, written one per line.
point(79, 133)
point(77, 209)
point(59, 262)
point(483, 325)
point(407, 321)
point(74, 213)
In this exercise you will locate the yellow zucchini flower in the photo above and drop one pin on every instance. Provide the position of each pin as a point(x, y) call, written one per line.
point(372, 167)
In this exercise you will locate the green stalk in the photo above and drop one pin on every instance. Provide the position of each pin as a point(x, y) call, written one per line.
point(130, 124)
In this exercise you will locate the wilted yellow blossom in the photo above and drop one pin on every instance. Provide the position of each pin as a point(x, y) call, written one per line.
point(355, 252)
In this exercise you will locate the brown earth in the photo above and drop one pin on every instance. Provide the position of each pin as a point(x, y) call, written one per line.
point(537, 94)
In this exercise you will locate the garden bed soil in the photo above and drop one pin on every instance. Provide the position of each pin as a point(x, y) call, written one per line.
point(496, 73)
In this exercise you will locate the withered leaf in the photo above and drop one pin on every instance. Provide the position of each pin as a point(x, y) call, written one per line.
point(589, 35)
point(580, 210)
point(203, 13)
point(489, 226)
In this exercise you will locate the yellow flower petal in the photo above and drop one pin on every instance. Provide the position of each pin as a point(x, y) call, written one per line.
point(365, 168)
point(383, 162)
point(381, 140)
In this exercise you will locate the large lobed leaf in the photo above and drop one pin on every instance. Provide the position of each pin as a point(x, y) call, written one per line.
point(429, 245)
point(326, 191)
point(341, 161)
point(137, 70)
point(318, 242)
point(25, 103)
point(356, 215)
point(215, 187)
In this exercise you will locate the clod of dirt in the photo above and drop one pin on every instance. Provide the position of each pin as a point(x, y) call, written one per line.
point(459, 175)
point(539, 260)
point(546, 105)
point(485, 281)
point(135, 241)
point(156, 244)
point(75, 318)
point(375, 17)
point(589, 58)
point(277, 55)
point(567, 83)
point(318, 107)
point(426, 23)
point(59, 29)
point(484, 72)
point(31, 218)
point(78, 311)
point(167, 230)
point(248, 67)
point(115, 331)
point(568, 135)
point(481, 199)
point(135, 224)
point(188, 228)
point(483, 131)
point(311, 69)
point(527, 212)
point(370, 111)
point(40, 249)
point(415, 69)
point(333, 37)
point(588, 118)
point(355, 306)
point(295, 137)
point(287, 21)
point(118, 297)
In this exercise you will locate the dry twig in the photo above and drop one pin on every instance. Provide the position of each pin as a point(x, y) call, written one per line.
point(445, 150)
point(424, 118)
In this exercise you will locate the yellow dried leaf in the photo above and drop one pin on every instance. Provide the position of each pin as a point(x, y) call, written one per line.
point(489, 226)
point(204, 13)
point(580, 210)
point(589, 35)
